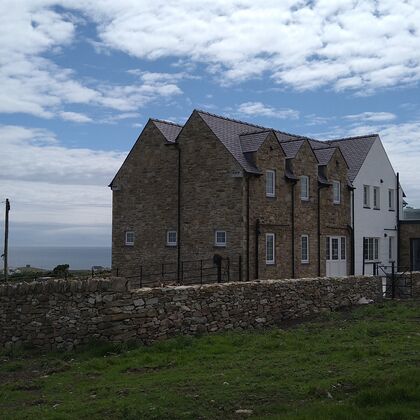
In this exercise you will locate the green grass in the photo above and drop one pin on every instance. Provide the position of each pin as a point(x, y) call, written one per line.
point(343, 365)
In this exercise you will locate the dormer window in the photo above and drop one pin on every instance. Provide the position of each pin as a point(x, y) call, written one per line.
point(304, 188)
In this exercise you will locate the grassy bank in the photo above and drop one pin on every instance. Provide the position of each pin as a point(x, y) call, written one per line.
point(347, 365)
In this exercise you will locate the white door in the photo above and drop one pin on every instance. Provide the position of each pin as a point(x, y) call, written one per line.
point(336, 256)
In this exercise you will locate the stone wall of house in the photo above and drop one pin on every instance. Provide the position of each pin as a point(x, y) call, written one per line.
point(336, 218)
point(408, 230)
point(274, 213)
point(212, 198)
point(64, 314)
point(145, 203)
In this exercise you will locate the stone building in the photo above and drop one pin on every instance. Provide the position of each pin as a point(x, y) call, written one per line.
point(409, 232)
point(276, 204)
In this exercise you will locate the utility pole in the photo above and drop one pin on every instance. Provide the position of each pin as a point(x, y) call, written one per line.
point(6, 239)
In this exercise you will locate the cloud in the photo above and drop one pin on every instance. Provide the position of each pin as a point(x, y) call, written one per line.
point(32, 35)
point(49, 184)
point(371, 116)
point(348, 45)
point(75, 117)
point(258, 109)
point(35, 155)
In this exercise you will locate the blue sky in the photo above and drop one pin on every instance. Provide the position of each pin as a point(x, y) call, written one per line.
point(79, 79)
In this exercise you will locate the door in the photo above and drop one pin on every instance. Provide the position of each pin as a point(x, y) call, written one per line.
point(415, 254)
point(336, 256)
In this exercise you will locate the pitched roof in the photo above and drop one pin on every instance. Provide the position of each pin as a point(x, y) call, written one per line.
point(324, 154)
point(291, 148)
point(251, 142)
point(242, 138)
point(169, 129)
point(354, 150)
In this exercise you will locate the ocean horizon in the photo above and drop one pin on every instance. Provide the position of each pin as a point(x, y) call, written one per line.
point(48, 257)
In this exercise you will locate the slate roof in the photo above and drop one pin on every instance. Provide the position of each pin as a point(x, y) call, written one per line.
point(251, 142)
point(291, 148)
point(242, 138)
point(324, 154)
point(354, 150)
point(169, 129)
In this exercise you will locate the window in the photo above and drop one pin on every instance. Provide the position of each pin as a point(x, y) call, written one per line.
point(391, 200)
point(270, 257)
point(270, 183)
point(376, 198)
point(366, 196)
point(171, 238)
point(220, 238)
point(304, 248)
point(343, 247)
point(304, 187)
point(391, 248)
point(371, 249)
point(336, 192)
point(334, 248)
point(129, 238)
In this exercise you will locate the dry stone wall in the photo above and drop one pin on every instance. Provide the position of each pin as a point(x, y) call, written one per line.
point(63, 314)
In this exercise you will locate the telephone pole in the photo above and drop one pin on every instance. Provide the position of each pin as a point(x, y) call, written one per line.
point(6, 239)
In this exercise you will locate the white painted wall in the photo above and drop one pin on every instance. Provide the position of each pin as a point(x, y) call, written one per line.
point(370, 222)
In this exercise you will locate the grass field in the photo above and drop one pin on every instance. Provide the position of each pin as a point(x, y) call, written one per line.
point(356, 364)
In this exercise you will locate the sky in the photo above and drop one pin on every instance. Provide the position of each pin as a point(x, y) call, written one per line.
point(79, 80)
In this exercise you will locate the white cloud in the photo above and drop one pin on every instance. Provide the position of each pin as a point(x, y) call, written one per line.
point(371, 116)
point(34, 84)
point(75, 117)
point(258, 109)
point(348, 45)
point(49, 184)
point(36, 155)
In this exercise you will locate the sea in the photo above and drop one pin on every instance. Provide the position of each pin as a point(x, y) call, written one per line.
point(78, 258)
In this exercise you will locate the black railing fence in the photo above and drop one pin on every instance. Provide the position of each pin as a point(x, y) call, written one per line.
point(201, 271)
point(395, 283)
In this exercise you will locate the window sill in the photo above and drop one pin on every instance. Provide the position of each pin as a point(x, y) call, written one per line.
point(391, 210)
point(270, 196)
point(270, 263)
point(304, 262)
point(219, 246)
point(305, 200)
point(376, 208)
point(129, 245)
point(336, 203)
point(171, 246)
point(366, 207)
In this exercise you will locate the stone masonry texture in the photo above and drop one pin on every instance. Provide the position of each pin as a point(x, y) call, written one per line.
point(408, 231)
point(60, 314)
point(214, 196)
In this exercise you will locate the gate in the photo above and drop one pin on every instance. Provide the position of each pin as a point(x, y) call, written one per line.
point(394, 284)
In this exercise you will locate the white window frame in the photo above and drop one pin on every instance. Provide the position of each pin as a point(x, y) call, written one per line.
point(376, 198)
point(391, 199)
point(336, 189)
point(272, 259)
point(304, 193)
point(168, 238)
point(127, 241)
point(366, 196)
point(270, 183)
point(216, 239)
point(302, 259)
point(375, 249)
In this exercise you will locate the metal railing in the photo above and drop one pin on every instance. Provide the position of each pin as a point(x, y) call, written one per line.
point(201, 271)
